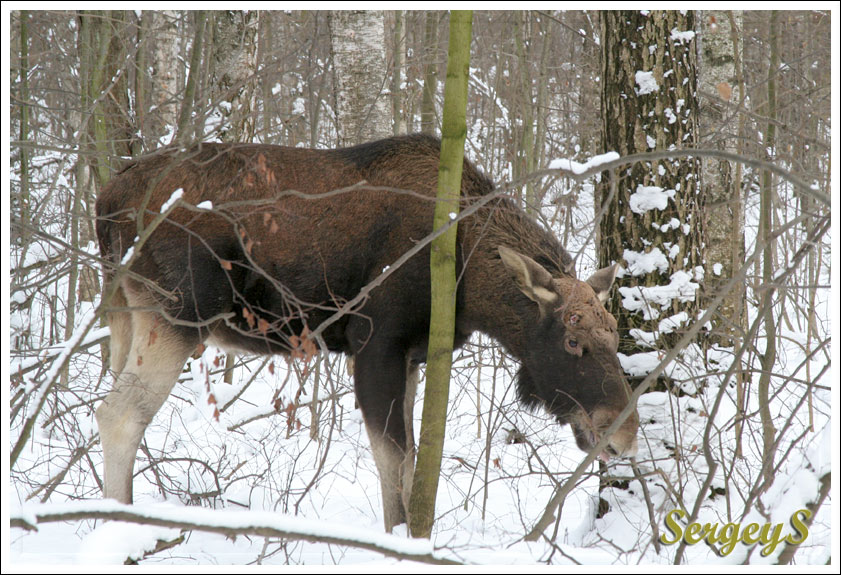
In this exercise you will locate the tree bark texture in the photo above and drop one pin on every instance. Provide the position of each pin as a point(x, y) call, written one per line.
point(164, 89)
point(398, 101)
point(723, 216)
point(104, 85)
point(234, 79)
point(649, 102)
point(362, 108)
point(186, 131)
point(429, 120)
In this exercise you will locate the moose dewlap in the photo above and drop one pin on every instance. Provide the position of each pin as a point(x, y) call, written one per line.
point(284, 237)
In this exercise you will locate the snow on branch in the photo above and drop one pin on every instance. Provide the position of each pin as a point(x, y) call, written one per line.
point(94, 337)
point(579, 168)
point(233, 523)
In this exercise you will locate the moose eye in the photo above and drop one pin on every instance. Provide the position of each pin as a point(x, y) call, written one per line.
point(573, 347)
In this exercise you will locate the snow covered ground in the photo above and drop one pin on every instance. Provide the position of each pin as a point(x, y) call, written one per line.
point(487, 500)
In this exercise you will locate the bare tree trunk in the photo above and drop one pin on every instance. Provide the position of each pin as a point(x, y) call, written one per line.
point(525, 151)
point(430, 74)
point(358, 48)
point(722, 214)
point(265, 38)
point(541, 107)
point(737, 233)
point(233, 82)
point(107, 133)
point(186, 131)
point(397, 99)
point(23, 75)
point(164, 90)
point(766, 214)
point(649, 102)
point(443, 280)
point(140, 73)
point(104, 69)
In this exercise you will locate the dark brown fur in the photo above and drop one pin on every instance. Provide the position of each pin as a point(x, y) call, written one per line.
point(295, 233)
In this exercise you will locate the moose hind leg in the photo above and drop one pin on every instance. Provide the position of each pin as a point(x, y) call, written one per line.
point(154, 360)
point(407, 467)
point(380, 382)
point(120, 324)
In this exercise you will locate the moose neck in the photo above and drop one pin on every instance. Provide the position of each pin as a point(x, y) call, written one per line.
point(495, 306)
point(494, 303)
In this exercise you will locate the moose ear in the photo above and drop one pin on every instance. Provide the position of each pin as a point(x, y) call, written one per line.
point(602, 280)
point(532, 278)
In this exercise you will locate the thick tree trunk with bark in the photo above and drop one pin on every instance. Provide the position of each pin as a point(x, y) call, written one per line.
point(652, 224)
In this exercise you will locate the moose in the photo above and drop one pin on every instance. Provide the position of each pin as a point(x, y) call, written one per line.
point(267, 242)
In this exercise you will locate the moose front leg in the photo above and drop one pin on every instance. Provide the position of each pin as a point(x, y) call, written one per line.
point(380, 378)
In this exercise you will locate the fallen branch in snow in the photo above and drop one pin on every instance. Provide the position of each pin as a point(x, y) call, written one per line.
point(234, 523)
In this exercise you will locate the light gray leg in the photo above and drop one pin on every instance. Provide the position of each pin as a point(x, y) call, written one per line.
point(150, 368)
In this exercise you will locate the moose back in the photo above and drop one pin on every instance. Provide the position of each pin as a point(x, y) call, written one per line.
point(267, 242)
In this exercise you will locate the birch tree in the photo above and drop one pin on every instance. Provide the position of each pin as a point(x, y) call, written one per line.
point(234, 76)
point(363, 111)
point(723, 215)
point(158, 88)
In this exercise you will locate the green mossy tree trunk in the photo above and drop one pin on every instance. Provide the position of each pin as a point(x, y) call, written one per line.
point(443, 278)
